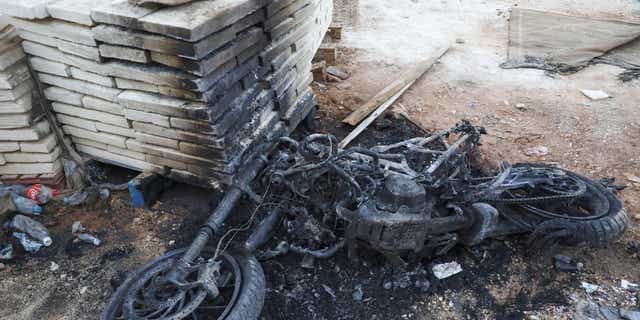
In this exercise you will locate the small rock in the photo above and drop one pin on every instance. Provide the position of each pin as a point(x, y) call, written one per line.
point(172, 242)
point(344, 86)
point(521, 107)
point(54, 267)
point(633, 246)
point(77, 227)
point(83, 290)
point(633, 178)
point(2, 266)
point(446, 270)
point(539, 151)
point(629, 286)
point(595, 94)
point(321, 86)
point(589, 287)
point(337, 72)
point(423, 285)
point(636, 216)
point(357, 295)
point(566, 264)
point(460, 41)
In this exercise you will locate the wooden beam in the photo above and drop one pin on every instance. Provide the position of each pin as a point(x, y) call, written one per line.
point(406, 80)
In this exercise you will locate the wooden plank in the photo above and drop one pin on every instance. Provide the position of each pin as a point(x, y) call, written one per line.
point(408, 78)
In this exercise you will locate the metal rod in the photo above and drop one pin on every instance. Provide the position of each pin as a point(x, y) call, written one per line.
point(450, 152)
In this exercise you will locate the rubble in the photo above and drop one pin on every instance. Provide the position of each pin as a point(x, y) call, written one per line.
point(566, 264)
point(446, 270)
point(589, 288)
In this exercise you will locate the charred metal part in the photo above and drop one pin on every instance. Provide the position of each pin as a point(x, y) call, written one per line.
point(261, 235)
point(319, 254)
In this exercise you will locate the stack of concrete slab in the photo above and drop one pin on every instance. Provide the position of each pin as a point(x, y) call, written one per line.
point(28, 149)
point(184, 90)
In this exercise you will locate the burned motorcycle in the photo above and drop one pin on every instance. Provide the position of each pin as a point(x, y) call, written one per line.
point(415, 198)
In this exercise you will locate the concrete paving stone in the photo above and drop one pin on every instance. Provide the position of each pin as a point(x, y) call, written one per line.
point(121, 13)
point(127, 84)
point(202, 151)
point(90, 114)
point(92, 77)
point(76, 122)
point(36, 132)
point(167, 106)
point(155, 140)
point(50, 67)
point(277, 5)
point(285, 42)
point(89, 143)
point(23, 104)
point(22, 90)
point(39, 38)
point(127, 153)
point(124, 53)
point(181, 94)
point(202, 127)
point(63, 95)
point(44, 145)
point(10, 57)
point(171, 153)
point(157, 119)
point(58, 29)
point(162, 161)
point(174, 134)
point(9, 146)
point(78, 11)
point(126, 132)
point(94, 103)
point(30, 168)
point(110, 94)
point(15, 120)
point(25, 157)
point(101, 137)
point(217, 58)
point(27, 9)
point(14, 75)
point(87, 52)
point(119, 160)
point(194, 21)
point(286, 12)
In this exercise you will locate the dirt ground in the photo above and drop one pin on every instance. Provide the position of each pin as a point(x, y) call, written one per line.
point(501, 279)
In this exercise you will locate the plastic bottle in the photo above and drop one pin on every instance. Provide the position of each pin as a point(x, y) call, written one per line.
point(89, 238)
point(13, 188)
point(41, 193)
point(34, 228)
point(26, 206)
point(28, 244)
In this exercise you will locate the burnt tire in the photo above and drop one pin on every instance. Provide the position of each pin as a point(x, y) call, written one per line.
point(599, 230)
point(247, 305)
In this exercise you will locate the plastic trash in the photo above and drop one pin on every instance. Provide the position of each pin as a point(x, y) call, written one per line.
point(87, 196)
point(6, 252)
point(89, 239)
point(28, 244)
point(446, 270)
point(34, 228)
point(41, 193)
point(77, 227)
point(26, 206)
point(13, 188)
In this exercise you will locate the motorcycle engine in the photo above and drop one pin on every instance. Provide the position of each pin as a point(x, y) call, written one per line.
point(401, 194)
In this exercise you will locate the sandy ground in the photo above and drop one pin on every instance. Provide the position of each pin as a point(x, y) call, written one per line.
point(520, 109)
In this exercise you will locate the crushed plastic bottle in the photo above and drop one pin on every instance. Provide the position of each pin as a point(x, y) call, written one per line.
point(6, 252)
point(26, 206)
point(28, 244)
point(77, 227)
point(89, 239)
point(88, 196)
point(40, 193)
point(34, 228)
point(13, 188)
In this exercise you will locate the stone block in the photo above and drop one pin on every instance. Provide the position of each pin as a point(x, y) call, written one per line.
point(15, 120)
point(20, 92)
point(128, 153)
point(126, 132)
point(160, 141)
point(79, 86)
point(90, 114)
point(77, 122)
point(63, 95)
point(119, 160)
point(14, 75)
point(44, 145)
point(27, 9)
point(157, 119)
point(31, 168)
point(9, 146)
point(92, 77)
point(89, 143)
point(10, 57)
point(124, 53)
point(50, 67)
point(24, 157)
point(153, 103)
point(36, 132)
point(100, 137)
point(87, 52)
point(78, 11)
point(94, 103)
point(58, 29)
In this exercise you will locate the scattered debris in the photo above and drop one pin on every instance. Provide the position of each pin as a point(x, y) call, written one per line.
point(460, 41)
point(357, 295)
point(590, 288)
point(54, 267)
point(89, 239)
point(539, 151)
point(77, 227)
point(34, 228)
point(566, 264)
point(633, 178)
point(40, 193)
point(337, 72)
point(521, 107)
point(446, 270)
point(28, 244)
point(344, 86)
point(633, 287)
point(329, 291)
point(84, 290)
point(595, 95)
point(6, 252)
